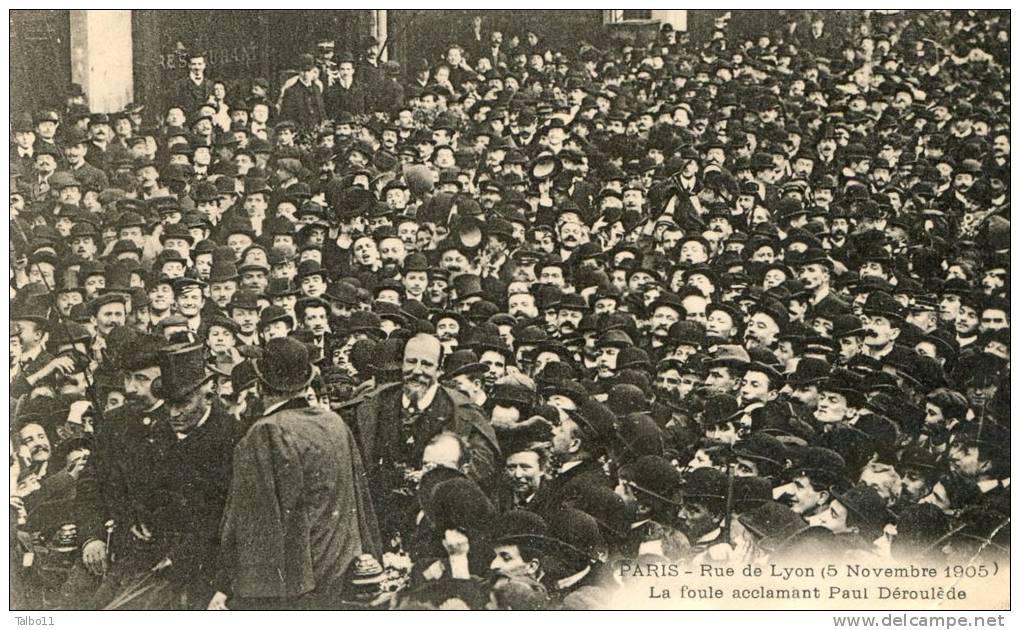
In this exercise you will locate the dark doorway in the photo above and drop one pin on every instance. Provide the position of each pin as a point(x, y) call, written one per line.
point(40, 59)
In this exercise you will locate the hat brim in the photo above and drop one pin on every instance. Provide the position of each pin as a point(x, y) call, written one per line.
point(180, 393)
point(466, 369)
point(277, 386)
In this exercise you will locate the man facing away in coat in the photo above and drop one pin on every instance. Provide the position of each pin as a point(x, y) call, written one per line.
point(298, 510)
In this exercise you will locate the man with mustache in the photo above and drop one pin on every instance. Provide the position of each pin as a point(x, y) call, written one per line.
point(495, 355)
point(128, 441)
point(29, 316)
point(177, 497)
point(608, 347)
point(453, 258)
point(34, 452)
point(666, 311)
point(569, 312)
point(84, 241)
point(521, 304)
point(647, 486)
point(572, 234)
point(981, 453)
point(840, 399)
point(702, 511)
point(313, 315)
point(527, 465)
point(963, 178)
point(766, 322)
point(415, 276)
point(395, 423)
point(448, 325)
point(810, 481)
point(815, 271)
point(882, 324)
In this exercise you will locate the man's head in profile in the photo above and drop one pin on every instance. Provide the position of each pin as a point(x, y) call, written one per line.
point(422, 357)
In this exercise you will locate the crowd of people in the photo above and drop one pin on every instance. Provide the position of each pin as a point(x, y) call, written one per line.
point(473, 332)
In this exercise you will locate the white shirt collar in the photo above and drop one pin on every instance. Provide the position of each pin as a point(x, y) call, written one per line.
point(567, 582)
point(271, 409)
point(710, 536)
point(424, 401)
point(567, 466)
point(991, 484)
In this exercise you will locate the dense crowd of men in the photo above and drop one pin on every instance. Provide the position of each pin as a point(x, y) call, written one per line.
point(471, 333)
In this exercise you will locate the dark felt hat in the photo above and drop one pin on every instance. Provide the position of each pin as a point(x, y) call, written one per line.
point(182, 370)
point(285, 365)
point(461, 362)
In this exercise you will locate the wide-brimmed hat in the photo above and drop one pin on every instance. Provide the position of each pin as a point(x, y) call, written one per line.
point(545, 166)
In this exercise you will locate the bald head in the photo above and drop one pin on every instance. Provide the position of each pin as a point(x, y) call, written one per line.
point(423, 355)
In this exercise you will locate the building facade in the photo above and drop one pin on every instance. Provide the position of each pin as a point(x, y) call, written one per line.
point(122, 56)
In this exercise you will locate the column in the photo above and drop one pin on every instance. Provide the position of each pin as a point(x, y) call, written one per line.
point(101, 57)
point(676, 17)
point(380, 29)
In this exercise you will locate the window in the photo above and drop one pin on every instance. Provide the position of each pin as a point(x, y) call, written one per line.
point(636, 14)
point(618, 16)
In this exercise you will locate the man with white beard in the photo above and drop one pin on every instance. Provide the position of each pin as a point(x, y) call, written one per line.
point(396, 422)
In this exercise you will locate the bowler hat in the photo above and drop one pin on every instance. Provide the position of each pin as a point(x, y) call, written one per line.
point(511, 395)
point(809, 370)
point(867, 507)
point(366, 322)
point(763, 449)
point(717, 409)
point(246, 300)
point(595, 421)
point(729, 355)
point(34, 309)
point(222, 271)
point(881, 304)
point(107, 298)
point(772, 524)
point(463, 362)
point(846, 383)
point(687, 332)
point(579, 532)
point(823, 466)
point(704, 484)
point(416, 262)
point(281, 287)
point(274, 313)
point(459, 503)
point(654, 476)
point(285, 366)
point(308, 268)
point(522, 528)
point(614, 339)
point(467, 285)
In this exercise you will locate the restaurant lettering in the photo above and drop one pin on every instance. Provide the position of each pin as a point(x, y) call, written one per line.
point(234, 56)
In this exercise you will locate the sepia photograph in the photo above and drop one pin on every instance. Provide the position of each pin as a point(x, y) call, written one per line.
point(509, 310)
